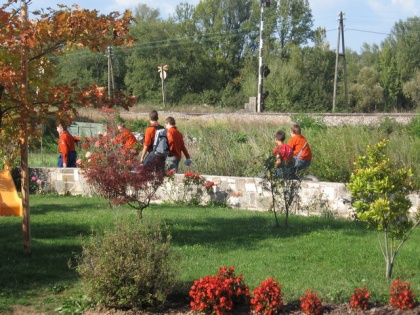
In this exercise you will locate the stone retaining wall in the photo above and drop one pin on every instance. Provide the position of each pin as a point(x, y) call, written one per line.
point(315, 197)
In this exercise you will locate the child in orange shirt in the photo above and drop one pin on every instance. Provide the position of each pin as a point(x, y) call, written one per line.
point(301, 149)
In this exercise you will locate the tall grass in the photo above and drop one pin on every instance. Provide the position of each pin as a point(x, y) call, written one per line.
point(238, 148)
point(332, 257)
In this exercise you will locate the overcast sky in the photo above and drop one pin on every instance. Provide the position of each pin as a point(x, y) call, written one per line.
point(367, 21)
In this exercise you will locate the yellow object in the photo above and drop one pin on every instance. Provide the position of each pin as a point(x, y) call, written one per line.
point(10, 203)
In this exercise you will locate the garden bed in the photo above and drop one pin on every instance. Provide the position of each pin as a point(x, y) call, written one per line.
point(336, 309)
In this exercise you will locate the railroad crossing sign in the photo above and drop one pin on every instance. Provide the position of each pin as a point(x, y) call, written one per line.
point(162, 70)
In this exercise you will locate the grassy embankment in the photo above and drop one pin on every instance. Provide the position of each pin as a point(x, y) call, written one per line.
point(234, 148)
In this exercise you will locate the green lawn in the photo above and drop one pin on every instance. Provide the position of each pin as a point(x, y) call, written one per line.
point(331, 257)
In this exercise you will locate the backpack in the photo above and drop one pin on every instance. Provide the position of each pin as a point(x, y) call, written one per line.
point(160, 143)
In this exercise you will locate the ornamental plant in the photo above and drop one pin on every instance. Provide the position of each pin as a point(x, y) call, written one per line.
point(208, 185)
point(268, 298)
point(219, 294)
point(284, 189)
point(402, 295)
point(360, 299)
point(310, 304)
point(193, 192)
point(210, 295)
point(116, 174)
point(240, 290)
point(379, 193)
point(29, 95)
point(129, 265)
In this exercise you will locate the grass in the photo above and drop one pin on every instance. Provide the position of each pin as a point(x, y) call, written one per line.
point(331, 257)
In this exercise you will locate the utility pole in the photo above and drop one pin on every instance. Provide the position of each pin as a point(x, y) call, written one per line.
point(260, 98)
point(340, 32)
point(111, 85)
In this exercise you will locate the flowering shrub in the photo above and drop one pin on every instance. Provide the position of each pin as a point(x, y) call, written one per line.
point(268, 298)
point(402, 296)
point(192, 188)
point(38, 185)
point(211, 296)
point(310, 304)
point(191, 179)
point(240, 290)
point(218, 294)
point(209, 186)
point(359, 299)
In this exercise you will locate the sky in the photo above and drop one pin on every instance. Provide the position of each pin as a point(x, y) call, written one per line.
point(365, 21)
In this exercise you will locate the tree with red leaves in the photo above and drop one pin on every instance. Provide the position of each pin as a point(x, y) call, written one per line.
point(115, 173)
point(27, 94)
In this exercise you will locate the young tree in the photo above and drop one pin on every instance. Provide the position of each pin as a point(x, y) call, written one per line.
point(117, 175)
point(27, 67)
point(380, 196)
point(284, 188)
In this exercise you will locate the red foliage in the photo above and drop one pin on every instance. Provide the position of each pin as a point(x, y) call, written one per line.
point(360, 299)
point(45, 36)
point(268, 298)
point(310, 304)
point(402, 296)
point(219, 294)
point(117, 175)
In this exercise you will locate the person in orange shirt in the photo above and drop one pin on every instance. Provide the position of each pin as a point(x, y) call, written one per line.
point(301, 149)
point(126, 138)
point(66, 147)
point(148, 157)
point(176, 145)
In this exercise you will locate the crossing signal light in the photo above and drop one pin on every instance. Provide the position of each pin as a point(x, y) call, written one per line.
point(266, 3)
point(265, 95)
point(265, 71)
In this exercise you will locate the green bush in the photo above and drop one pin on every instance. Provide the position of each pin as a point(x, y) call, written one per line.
point(414, 126)
point(127, 266)
point(309, 122)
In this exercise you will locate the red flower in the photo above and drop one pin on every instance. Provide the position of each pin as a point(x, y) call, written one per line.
point(359, 300)
point(310, 304)
point(208, 185)
point(402, 296)
point(218, 294)
point(268, 298)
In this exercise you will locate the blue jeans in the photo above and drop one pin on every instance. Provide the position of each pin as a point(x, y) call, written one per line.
point(301, 164)
point(71, 159)
point(173, 163)
point(155, 162)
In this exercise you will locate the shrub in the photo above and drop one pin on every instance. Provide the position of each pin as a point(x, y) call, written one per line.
point(414, 126)
point(268, 298)
point(402, 296)
point(219, 294)
point(116, 173)
point(211, 296)
point(128, 266)
point(309, 122)
point(310, 304)
point(240, 291)
point(379, 193)
point(360, 299)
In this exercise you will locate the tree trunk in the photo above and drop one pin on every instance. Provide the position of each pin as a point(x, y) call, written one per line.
point(389, 267)
point(26, 224)
point(24, 141)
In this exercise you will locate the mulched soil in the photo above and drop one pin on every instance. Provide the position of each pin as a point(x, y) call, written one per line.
point(182, 308)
